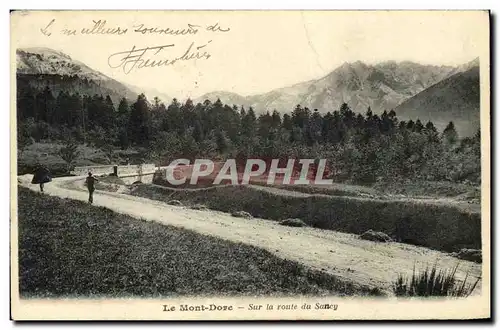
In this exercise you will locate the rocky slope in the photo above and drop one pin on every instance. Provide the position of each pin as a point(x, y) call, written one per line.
point(40, 67)
point(456, 99)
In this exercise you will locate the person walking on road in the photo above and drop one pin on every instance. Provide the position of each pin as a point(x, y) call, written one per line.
point(41, 176)
point(90, 182)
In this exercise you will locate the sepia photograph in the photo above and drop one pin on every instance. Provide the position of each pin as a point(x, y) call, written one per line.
point(250, 165)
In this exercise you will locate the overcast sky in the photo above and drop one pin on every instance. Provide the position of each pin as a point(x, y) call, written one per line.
point(262, 50)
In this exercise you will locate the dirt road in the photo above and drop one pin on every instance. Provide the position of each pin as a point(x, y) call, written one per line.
point(358, 261)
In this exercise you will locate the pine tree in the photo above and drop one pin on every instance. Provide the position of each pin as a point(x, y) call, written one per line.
point(25, 102)
point(418, 126)
point(287, 122)
point(327, 130)
point(139, 122)
point(173, 121)
point(431, 132)
point(122, 121)
point(108, 114)
point(276, 119)
point(76, 113)
point(249, 124)
point(450, 134)
point(45, 104)
point(369, 113)
point(410, 125)
point(315, 127)
point(265, 122)
point(347, 115)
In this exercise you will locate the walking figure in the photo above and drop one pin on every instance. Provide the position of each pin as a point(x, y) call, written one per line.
point(41, 176)
point(90, 181)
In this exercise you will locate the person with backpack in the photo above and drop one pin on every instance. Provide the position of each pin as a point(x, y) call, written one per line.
point(90, 182)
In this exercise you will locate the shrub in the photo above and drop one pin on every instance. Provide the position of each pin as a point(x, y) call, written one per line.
point(241, 214)
point(433, 283)
point(293, 222)
point(199, 207)
point(469, 254)
point(107, 186)
point(174, 202)
point(375, 236)
point(69, 154)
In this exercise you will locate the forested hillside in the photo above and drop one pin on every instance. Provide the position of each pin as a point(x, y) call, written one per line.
point(359, 148)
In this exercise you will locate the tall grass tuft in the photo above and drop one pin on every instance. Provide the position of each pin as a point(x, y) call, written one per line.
point(432, 282)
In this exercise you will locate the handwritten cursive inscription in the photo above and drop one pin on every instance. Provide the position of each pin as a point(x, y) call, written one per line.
point(99, 27)
point(216, 28)
point(46, 30)
point(191, 29)
point(139, 58)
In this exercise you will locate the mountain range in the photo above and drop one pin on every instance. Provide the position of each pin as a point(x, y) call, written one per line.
point(381, 87)
point(415, 91)
point(428, 92)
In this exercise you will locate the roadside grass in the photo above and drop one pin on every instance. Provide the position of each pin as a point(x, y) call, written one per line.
point(334, 189)
point(441, 227)
point(429, 189)
point(109, 183)
point(434, 282)
point(69, 248)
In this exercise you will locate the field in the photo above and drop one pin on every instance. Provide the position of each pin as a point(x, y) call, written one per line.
point(92, 251)
point(438, 226)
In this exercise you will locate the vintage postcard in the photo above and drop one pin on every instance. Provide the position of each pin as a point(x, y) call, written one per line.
point(250, 165)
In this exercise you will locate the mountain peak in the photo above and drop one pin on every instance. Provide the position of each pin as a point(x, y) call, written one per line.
point(44, 51)
point(47, 61)
point(357, 63)
point(347, 67)
point(473, 63)
point(466, 66)
point(62, 73)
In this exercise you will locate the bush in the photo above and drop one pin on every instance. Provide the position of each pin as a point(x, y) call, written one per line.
point(175, 202)
point(376, 236)
point(69, 153)
point(241, 214)
point(199, 207)
point(469, 254)
point(433, 283)
point(112, 187)
point(293, 222)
